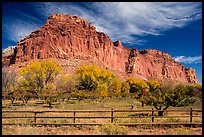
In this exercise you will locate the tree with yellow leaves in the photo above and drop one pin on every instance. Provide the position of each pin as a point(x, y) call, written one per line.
point(37, 76)
point(98, 80)
point(138, 87)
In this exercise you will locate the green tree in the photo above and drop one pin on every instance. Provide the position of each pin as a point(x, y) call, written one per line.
point(195, 90)
point(164, 95)
point(180, 97)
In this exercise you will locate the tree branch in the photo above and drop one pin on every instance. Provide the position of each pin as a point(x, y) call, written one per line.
point(155, 106)
point(167, 106)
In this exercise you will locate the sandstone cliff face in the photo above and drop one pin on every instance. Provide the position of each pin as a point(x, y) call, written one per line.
point(66, 37)
point(8, 51)
point(154, 64)
point(7, 55)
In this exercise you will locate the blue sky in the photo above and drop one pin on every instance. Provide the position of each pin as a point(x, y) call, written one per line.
point(172, 27)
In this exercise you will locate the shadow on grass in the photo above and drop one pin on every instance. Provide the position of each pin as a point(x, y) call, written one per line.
point(39, 103)
point(6, 107)
point(141, 114)
point(48, 106)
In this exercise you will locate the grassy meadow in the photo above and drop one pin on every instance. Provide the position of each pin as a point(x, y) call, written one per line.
point(106, 129)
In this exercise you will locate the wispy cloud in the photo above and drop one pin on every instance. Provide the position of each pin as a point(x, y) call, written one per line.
point(120, 21)
point(188, 60)
point(17, 27)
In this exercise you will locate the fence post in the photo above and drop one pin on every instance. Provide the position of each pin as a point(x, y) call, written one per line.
point(35, 113)
point(111, 115)
point(152, 115)
point(191, 115)
point(74, 116)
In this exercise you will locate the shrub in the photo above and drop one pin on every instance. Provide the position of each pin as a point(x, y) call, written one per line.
point(80, 94)
point(114, 129)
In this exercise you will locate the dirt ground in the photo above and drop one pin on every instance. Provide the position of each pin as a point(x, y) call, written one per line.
point(96, 130)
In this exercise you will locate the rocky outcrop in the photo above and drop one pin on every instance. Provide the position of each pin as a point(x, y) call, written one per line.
point(64, 36)
point(8, 51)
point(154, 64)
point(7, 55)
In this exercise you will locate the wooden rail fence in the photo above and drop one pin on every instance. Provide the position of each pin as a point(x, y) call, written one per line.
point(152, 115)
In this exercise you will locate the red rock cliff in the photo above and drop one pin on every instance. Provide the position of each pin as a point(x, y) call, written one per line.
point(64, 36)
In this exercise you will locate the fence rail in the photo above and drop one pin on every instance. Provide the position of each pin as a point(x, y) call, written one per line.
point(111, 117)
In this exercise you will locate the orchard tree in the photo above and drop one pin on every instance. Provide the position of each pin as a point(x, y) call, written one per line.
point(39, 74)
point(164, 95)
point(180, 97)
point(125, 89)
point(103, 90)
point(49, 94)
point(65, 85)
point(99, 82)
point(25, 90)
point(194, 90)
point(88, 77)
point(137, 85)
point(91, 77)
point(157, 95)
point(154, 85)
point(9, 84)
point(114, 86)
point(139, 88)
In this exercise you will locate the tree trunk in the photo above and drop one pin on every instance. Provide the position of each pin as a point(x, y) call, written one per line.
point(160, 112)
point(142, 104)
point(132, 106)
point(26, 101)
point(12, 100)
point(50, 104)
point(23, 101)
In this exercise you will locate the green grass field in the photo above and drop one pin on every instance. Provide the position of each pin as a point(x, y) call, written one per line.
point(97, 104)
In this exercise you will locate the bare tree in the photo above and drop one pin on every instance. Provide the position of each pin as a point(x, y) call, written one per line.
point(9, 83)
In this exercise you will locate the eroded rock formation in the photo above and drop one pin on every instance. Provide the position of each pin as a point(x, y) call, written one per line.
point(64, 36)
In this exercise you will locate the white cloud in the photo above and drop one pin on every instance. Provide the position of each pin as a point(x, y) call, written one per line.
point(120, 20)
point(146, 18)
point(188, 60)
